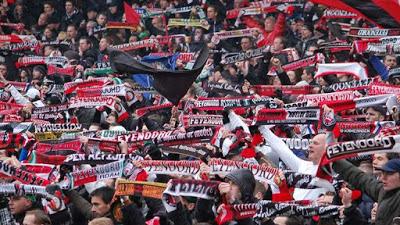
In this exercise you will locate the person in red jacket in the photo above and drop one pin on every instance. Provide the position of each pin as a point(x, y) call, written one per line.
point(272, 28)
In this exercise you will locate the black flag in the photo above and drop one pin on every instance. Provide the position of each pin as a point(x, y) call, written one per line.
point(171, 84)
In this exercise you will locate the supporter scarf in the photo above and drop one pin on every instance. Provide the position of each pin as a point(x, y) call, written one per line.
point(381, 88)
point(166, 40)
point(104, 145)
point(182, 167)
point(21, 175)
point(114, 90)
point(202, 120)
point(58, 127)
point(77, 102)
point(158, 12)
point(248, 11)
point(35, 60)
point(20, 86)
point(270, 90)
point(147, 43)
point(261, 173)
point(72, 86)
point(183, 56)
point(58, 43)
point(298, 180)
point(7, 106)
point(192, 188)
point(354, 69)
point(253, 53)
point(143, 90)
point(53, 116)
point(13, 38)
point(13, 47)
point(296, 144)
point(98, 158)
point(121, 25)
point(62, 148)
point(110, 134)
point(188, 22)
point(10, 140)
point(15, 26)
point(43, 158)
point(25, 189)
point(40, 169)
point(338, 14)
point(211, 104)
point(145, 136)
point(98, 71)
point(53, 70)
point(336, 46)
point(98, 173)
point(195, 151)
point(145, 189)
point(336, 96)
point(363, 127)
point(350, 85)
point(145, 110)
point(190, 137)
point(51, 109)
point(287, 116)
point(372, 32)
point(47, 136)
point(361, 147)
point(308, 61)
point(223, 35)
point(379, 46)
point(268, 209)
point(224, 88)
point(364, 102)
point(16, 127)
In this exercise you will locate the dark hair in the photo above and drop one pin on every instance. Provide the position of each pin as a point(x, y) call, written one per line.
point(294, 220)
point(392, 155)
point(105, 193)
point(50, 3)
point(310, 70)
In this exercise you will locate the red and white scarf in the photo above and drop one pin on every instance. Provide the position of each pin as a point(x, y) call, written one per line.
point(354, 69)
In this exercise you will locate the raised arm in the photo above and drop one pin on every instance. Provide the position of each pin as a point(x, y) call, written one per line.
point(278, 146)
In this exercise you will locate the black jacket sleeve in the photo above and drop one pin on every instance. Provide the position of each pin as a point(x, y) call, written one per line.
point(132, 215)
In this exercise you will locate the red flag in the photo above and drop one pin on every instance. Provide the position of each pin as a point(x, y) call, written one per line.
point(131, 15)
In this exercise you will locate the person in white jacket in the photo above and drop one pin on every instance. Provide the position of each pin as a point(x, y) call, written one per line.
point(316, 151)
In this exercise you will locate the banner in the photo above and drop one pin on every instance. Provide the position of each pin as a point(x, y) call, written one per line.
point(196, 151)
point(193, 188)
point(188, 137)
point(98, 158)
point(114, 90)
point(372, 32)
point(58, 127)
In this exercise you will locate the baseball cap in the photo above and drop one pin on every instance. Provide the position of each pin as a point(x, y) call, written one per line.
point(391, 166)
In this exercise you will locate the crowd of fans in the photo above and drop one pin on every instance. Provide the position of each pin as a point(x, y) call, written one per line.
point(365, 189)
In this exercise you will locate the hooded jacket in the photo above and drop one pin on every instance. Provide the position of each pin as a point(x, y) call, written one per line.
point(245, 180)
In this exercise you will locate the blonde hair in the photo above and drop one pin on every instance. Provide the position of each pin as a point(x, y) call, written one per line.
point(101, 221)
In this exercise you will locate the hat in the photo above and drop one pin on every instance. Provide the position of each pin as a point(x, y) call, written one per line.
point(32, 93)
point(243, 178)
point(392, 165)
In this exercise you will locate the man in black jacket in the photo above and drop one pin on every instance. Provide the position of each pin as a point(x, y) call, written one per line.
point(102, 205)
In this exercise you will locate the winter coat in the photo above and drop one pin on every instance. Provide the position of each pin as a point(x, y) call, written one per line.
point(388, 201)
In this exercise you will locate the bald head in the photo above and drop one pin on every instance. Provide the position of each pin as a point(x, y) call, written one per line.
point(317, 148)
